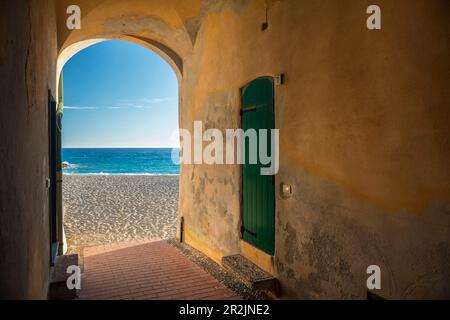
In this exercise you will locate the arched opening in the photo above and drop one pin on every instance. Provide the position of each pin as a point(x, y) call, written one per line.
point(163, 51)
point(121, 105)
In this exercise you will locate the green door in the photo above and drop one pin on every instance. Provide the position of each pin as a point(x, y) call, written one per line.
point(258, 221)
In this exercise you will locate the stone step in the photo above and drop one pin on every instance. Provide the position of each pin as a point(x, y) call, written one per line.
point(58, 279)
point(253, 276)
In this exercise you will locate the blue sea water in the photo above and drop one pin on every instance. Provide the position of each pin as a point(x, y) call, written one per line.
point(129, 161)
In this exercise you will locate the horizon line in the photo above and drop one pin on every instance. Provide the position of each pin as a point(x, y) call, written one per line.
point(120, 147)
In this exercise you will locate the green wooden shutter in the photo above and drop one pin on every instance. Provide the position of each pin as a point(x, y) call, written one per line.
point(258, 218)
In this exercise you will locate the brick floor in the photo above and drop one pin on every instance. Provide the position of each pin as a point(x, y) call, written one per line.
point(142, 270)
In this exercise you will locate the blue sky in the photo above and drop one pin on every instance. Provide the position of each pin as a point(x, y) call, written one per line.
point(119, 94)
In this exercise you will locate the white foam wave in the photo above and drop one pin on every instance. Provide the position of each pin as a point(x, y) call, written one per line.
point(120, 174)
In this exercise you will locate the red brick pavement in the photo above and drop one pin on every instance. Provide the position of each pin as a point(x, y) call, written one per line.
point(142, 270)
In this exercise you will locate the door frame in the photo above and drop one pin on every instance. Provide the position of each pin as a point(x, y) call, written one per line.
point(52, 178)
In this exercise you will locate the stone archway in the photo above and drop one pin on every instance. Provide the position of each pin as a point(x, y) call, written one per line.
point(167, 27)
point(160, 26)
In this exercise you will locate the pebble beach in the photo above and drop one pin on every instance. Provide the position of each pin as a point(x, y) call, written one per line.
point(103, 209)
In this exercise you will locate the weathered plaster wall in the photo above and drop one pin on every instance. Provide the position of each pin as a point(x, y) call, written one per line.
point(364, 120)
point(28, 64)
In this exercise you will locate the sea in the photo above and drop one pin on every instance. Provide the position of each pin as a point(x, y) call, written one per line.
point(120, 161)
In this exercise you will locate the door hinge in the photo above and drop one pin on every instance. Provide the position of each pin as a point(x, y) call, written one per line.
point(244, 230)
point(279, 79)
point(248, 110)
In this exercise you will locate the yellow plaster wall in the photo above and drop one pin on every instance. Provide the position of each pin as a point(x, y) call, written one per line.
point(364, 127)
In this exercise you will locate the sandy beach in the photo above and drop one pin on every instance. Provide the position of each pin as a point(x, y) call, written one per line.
point(115, 208)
